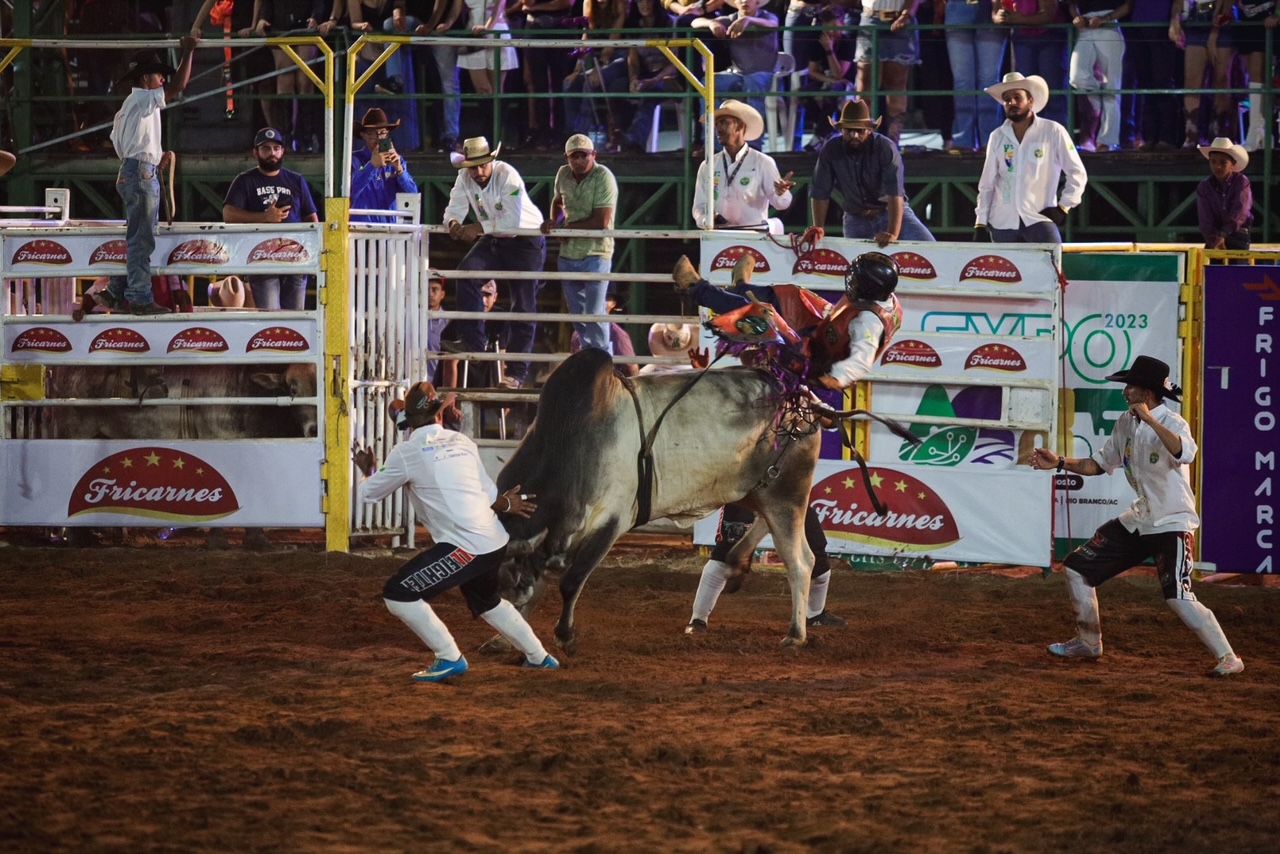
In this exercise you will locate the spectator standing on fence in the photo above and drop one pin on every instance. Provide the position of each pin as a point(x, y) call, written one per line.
point(895, 47)
point(976, 51)
point(494, 193)
point(584, 196)
point(1224, 200)
point(1027, 156)
point(1151, 121)
point(752, 36)
point(271, 194)
point(451, 491)
point(1097, 64)
point(745, 181)
point(1039, 47)
point(448, 18)
point(378, 171)
point(292, 17)
point(866, 167)
point(545, 67)
point(1154, 446)
point(488, 20)
point(1193, 28)
point(135, 134)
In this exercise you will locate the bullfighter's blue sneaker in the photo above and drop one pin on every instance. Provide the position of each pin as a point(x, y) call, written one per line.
point(548, 663)
point(441, 670)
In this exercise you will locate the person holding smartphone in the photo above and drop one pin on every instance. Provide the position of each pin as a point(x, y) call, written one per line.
point(271, 194)
point(378, 171)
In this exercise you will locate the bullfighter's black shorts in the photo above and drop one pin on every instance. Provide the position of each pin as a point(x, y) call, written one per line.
point(1113, 549)
point(735, 520)
point(444, 566)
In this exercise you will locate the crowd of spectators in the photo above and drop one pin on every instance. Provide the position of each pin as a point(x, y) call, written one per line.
point(949, 51)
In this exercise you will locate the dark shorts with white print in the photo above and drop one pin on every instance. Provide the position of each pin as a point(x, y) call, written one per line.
point(1113, 549)
point(445, 566)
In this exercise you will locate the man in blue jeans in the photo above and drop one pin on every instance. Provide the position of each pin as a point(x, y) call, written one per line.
point(866, 168)
point(494, 193)
point(586, 194)
point(135, 134)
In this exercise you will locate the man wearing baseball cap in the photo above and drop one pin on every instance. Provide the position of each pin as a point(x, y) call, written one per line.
point(1154, 446)
point(584, 196)
point(268, 195)
point(1027, 156)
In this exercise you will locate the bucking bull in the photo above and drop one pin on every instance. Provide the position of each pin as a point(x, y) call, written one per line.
point(605, 455)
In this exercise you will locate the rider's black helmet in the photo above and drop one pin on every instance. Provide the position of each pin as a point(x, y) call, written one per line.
point(871, 276)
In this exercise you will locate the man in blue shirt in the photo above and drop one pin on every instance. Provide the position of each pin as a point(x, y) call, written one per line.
point(377, 170)
point(271, 194)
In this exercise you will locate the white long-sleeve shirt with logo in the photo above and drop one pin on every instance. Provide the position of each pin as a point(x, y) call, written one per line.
point(502, 205)
point(1020, 179)
point(448, 487)
point(1163, 482)
point(744, 188)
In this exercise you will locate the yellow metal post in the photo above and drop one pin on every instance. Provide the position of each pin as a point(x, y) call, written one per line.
point(336, 470)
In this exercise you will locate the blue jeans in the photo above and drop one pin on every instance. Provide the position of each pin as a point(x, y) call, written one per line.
point(138, 184)
point(1036, 232)
point(502, 253)
point(446, 58)
point(1045, 55)
point(588, 298)
point(753, 85)
point(867, 227)
point(976, 57)
point(273, 293)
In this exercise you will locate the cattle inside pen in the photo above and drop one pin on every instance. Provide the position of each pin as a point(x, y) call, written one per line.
point(194, 421)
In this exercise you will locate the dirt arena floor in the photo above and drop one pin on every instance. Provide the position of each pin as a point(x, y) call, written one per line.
point(179, 699)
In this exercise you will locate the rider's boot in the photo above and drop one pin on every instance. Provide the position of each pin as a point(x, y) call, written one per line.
point(685, 275)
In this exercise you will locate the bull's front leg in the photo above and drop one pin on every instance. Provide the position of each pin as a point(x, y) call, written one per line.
point(787, 527)
point(589, 554)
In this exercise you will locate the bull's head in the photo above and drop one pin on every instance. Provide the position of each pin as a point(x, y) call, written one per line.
point(520, 578)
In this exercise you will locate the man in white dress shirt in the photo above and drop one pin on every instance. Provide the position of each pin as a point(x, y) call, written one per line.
point(746, 180)
point(494, 193)
point(1018, 199)
point(454, 495)
point(1153, 445)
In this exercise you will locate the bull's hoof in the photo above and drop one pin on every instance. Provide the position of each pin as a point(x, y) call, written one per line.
point(496, 645)
point(568, 644)
point(793, 644)
point(734, 582)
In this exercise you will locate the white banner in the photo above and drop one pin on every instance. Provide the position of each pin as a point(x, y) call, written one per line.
point(197, 336)
point(263, 483)
point(938, 514)
point(211, 249)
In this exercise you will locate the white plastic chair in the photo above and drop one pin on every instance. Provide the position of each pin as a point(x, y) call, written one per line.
point(780, 112)
point(655, 131)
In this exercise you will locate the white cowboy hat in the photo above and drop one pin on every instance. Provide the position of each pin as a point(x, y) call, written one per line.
point(1034, 85)
point(672, 339)
point(1222, 145)
point(744, 113)
point(475, 152)
point(227, 293)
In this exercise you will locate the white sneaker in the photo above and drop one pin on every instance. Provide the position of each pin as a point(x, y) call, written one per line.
point(1228, 664)
point(1076, 648)
point(1255, 139)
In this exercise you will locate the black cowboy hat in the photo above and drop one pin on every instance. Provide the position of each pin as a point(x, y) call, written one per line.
point(1149, 373)
point(144, 62)
point(421, 405)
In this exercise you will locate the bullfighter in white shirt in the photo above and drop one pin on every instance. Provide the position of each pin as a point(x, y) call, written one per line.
point(1154, 446)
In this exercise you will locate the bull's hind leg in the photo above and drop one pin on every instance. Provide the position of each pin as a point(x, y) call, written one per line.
point(739, 557)
point(587, 556)
point(785, 519)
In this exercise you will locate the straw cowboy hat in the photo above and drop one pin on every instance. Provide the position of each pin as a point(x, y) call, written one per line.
point(475, 152)
point(1035, 86)
point(1222, 145)
point(227, 293)
point(744, 113)
point(375, 119)
point(144, 62)
point(1149, 373)
point(855, 114)
point(671, 339)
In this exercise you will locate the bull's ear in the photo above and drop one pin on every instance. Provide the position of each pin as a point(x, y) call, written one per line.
point(270, 380)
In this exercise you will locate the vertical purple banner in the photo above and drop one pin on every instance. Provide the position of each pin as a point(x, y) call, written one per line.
point(1240, 442)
